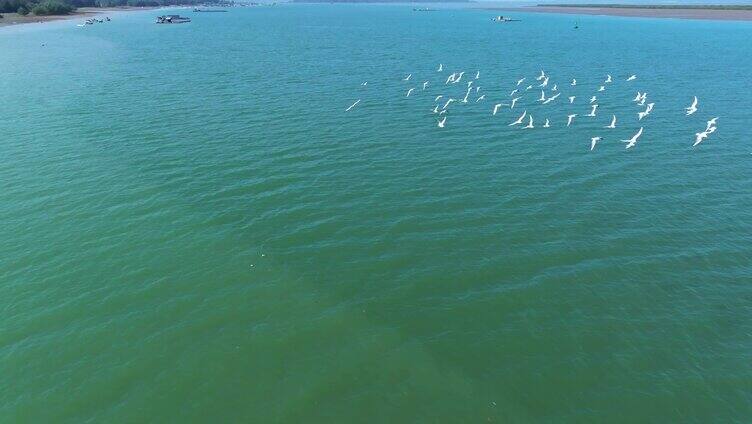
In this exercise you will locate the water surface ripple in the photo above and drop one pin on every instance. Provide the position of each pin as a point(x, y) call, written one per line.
point(194, 229)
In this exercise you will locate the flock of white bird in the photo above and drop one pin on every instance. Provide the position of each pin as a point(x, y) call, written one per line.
point(548, 94)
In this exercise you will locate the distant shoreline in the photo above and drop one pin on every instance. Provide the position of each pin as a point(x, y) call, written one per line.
point(406, 2)
point(655, 6)
point(710, 12)
point(11, 19)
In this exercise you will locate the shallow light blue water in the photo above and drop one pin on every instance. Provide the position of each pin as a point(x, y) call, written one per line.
point(194, 229)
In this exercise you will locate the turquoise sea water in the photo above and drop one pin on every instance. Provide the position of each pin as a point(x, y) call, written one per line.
point(193, 229)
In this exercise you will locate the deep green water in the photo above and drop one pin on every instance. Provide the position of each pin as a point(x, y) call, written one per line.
point(193, 229)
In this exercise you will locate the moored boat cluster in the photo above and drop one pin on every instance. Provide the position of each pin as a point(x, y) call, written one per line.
point(172, 19)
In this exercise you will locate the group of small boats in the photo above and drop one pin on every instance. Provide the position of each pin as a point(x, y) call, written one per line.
point(504, 19)
point(172, 19)
point(177, 19)
point(93, 21)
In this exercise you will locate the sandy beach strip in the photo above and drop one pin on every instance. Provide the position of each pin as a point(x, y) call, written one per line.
point(80, 13)
point(704, 12)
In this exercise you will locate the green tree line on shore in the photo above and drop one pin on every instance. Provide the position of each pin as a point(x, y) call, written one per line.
point(46, 7)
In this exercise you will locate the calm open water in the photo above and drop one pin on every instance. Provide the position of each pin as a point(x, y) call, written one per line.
point(193, 229)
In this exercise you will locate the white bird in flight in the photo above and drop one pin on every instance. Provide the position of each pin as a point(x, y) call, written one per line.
point(480, 98)
point(496, 108)
point(593, 142)
point(451, 78)
point(593, 99)
point(530, 123)
point(637, 97)
point(574, 82)
point(407, 78)
point(542, 97)
point(544, 83)
point(512, 93)
point(546, 125)
point(608, 79)
point(709, 129)
point(352, 105)
point(632, 78)
point(519, 120)
point(555, 88)
point(541, 76)
point(613, 122)
point(364, 84)
point(459, 77)
point(409, 91)
point(592, 112)
point(438, 97)
point(570, 118)
point(441, 67)
point(514, 101)
point(436, 109)
point(448, 102)
point(643, 98)
point(632, 141)
point(692, 108)
point(477, 75)
point(571, 99)
point(520, 81)
point(528, 87)
point(551, 99)
point(602, 88)
point(466, 95)
point(442, 122)
point(469, 83)
point(646, 112)
point(711, 123)
point(425, 84)
point(699, 137)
